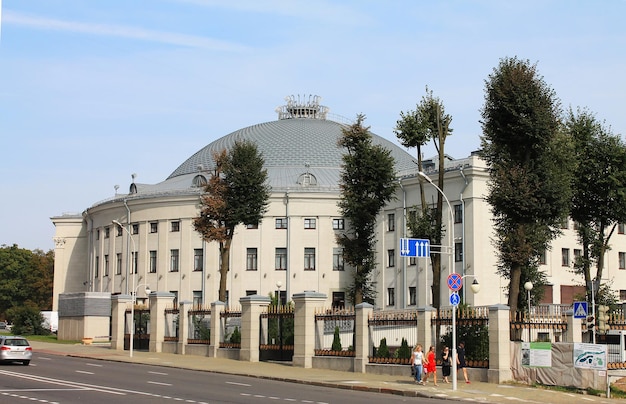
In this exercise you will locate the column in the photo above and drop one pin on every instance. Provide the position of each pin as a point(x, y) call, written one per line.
point(216, 328)
point(183, 326)
point(363, 312)
point(306, 304)
point(118, 320)
point(251, 309)
point(425, 326)
point(499, 344)
point(573, 333)
point(158, 303)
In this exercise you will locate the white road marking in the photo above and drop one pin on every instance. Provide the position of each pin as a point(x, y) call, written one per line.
point(159, 383)
point(239, 384)
point(94, 364)
point(84, 372)
point(158, 373)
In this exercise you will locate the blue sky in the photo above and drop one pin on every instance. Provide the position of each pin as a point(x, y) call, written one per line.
point(94, 91)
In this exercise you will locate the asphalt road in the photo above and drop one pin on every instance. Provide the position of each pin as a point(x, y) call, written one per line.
point(67, 380)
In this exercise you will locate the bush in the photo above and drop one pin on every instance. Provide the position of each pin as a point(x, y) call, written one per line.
point(336, 341)
point(235, 337)
point(27, 321)
point(383, 350)
point(404, 352)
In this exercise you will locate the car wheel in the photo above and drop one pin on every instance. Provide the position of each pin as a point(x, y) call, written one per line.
point(25, 363)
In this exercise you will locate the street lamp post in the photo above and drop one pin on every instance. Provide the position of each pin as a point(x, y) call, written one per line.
point(528, 286)
point(475, 288)
point(279, 284)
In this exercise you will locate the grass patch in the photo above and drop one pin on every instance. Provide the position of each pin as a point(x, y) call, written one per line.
point(48, 338)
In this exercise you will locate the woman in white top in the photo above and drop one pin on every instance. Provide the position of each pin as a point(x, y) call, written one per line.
point(417, 361)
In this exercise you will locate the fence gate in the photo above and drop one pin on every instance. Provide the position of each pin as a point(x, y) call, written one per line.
point(141, 341)
point(276, 339)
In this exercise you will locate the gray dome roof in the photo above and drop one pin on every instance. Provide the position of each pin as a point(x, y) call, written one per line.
point(292, 148)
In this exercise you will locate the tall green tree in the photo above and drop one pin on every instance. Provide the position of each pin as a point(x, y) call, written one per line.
point(530, 165)
point(599, 190)
point(26, 279)
point(367, 184)
point(237, 193)
point(429, 122)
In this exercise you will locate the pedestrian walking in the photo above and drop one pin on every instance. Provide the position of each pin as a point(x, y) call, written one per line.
point(430, 366)
point(417, 361)
point(446, 364)
point(460, 361)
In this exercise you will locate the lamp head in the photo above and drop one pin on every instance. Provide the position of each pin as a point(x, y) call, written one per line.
point(117, 222)
point(528, 286)
point(148, 291)
point(279, 284)
point(475, 286)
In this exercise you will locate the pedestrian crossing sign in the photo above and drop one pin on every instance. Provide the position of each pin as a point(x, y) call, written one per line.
point(580, 310)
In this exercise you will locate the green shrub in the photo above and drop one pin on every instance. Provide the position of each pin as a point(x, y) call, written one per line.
point(27, 320)
point(404, 352)
point(383, 350)
point(235, 337)
point(336, 341)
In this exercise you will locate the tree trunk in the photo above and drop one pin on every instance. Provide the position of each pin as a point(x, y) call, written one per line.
point(516, 275)
point(224, 265)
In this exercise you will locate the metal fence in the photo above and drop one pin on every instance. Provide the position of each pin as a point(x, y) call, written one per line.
point(231, 328)
point(199, 325)
point(331, 321)
point(472, 328)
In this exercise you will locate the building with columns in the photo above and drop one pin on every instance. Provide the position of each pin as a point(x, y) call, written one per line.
point(145, 237)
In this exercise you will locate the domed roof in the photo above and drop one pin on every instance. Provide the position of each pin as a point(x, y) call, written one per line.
point(299, 148)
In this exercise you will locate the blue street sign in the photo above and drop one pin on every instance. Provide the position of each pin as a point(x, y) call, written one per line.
point(414, 247)
point(455, 282)
point(455, 299)
point(580, 310)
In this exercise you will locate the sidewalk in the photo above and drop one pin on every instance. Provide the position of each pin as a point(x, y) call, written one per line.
point(475, 391)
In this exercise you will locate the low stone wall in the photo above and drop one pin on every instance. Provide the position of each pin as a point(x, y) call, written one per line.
point(333, 363)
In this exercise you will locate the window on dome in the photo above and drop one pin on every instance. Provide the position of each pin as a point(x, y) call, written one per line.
point(307, 179)
point(133, 188)
point(199, 181)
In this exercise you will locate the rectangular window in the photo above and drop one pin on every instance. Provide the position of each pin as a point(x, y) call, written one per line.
point(106, 232)
point(176, 226)
point(281, 223)
point(251, 259)
point(338, 224)
point(622, 294)
point(578, 255)
point(250, 292)
point(135, 261)
point(309, 259)
point(337, 259)
point(174, 260)
point(412, 296)
point(197, 298)
point(412, 261)
point(281, 259)
point(310, 223)
point(98, 234)
point(458, 252)
point(391, 258)
point(106, 265)
point(198, 259)
point(252, 226)
point(96, 272)
point(564, 223)
point(622, 260)
point(391, 296)
point(565, 257)
point(620, 228)
point(135, 228)
point(154, 227)
point(339, 300)
point(118, 265)
point(119, 230)
point(391, 222)
point(458, 213)
point(543, 258)
point(153, 262)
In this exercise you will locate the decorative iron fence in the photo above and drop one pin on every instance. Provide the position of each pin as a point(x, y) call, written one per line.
point(334, 324)
point(543, 326)
point(394, 334)
point(472, 328)
point(231, 328)
point(199, 325)
point(277, 333)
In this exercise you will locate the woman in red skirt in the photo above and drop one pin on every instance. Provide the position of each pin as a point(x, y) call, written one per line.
point(430, 365)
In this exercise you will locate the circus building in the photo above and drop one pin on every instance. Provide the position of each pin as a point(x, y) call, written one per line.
point(146, 236)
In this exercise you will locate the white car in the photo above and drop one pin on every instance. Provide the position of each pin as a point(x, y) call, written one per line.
point(15, 349)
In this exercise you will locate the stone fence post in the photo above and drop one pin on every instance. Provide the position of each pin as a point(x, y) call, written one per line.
point(216, 327)
point(183, 326)
point(158, 304)
point(118, 320)
point(362, 313)
point(499, 344)
point(574, 332)
point(425, 335)
point(251, 309)
point(305, 306)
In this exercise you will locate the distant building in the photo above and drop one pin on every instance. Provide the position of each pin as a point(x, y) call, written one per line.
point(294, 249)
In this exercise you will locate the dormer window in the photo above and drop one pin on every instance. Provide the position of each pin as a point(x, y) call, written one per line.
point(307, 179)
point(199, 181)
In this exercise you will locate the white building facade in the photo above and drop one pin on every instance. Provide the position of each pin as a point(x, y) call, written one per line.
point(294, 248)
